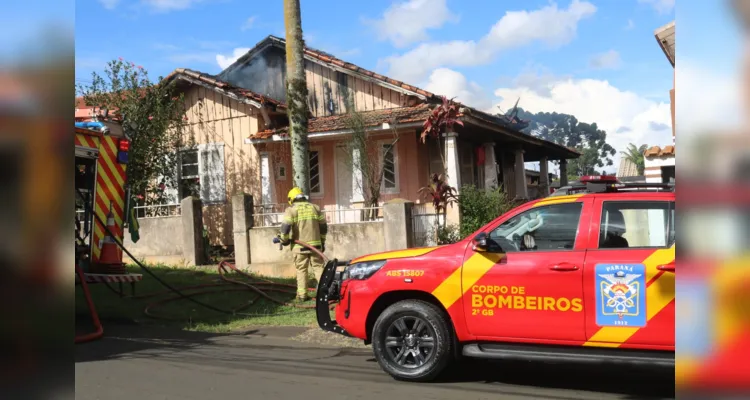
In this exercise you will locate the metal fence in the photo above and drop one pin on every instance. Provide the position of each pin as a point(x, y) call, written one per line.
point(158, 210)
point(424, 225)
point(266, 215)
point(152, 211)
point(345, 215)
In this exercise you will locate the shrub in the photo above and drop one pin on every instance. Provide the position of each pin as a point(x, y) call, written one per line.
point(478, 207)
point(447, 234)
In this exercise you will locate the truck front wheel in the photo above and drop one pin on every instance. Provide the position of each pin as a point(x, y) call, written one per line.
point(412, 341)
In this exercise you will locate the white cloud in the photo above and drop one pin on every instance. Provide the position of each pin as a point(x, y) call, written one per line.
point(450, 83)
point(407, 22)
point(249, 23)
point(607, 60)
point(661, 6)
point(109, 4)
point(226, 61)
point(169, 5)
point(625, 116)
point(550, 25)
point(630, 25)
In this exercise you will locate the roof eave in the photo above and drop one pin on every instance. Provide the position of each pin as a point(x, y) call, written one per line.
point(333, 133)
point(659, 35)
point(567, 152)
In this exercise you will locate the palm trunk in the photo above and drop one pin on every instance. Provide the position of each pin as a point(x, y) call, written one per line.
point(296, 95)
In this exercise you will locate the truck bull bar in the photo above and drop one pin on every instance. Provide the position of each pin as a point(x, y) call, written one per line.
point(329, 289)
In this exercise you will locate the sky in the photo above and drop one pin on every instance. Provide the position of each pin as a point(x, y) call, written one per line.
point(597, 60)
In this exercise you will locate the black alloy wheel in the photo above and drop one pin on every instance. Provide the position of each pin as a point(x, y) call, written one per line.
point(412, 340)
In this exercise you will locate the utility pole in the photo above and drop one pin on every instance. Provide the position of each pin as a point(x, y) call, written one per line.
point(296, 95)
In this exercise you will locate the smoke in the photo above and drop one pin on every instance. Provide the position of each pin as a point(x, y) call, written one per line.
point(264, 74)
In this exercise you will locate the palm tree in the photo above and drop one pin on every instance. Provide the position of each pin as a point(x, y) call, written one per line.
point(635, 155)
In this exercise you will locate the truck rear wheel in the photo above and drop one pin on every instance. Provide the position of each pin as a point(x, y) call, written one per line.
point(412, 341)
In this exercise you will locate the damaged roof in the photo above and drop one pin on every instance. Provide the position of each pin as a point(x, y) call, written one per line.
point(332, 62)
point(212, 82)
point(333, 123)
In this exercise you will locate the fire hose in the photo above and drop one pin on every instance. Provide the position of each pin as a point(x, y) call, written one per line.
point(260, 286)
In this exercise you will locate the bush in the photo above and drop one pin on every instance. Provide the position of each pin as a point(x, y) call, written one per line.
point(448, 234)
point(478, 207)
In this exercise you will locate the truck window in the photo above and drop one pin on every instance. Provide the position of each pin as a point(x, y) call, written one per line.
point(636, 224)
point(552, 227)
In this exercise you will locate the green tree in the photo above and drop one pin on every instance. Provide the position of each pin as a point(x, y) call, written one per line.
point(152, 118)
point(364, 154)
point(567, 130)
point(635, 155)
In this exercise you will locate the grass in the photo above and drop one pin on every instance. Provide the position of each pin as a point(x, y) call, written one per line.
point(187, 315)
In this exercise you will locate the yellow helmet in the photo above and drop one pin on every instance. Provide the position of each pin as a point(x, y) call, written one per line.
point(293, 194)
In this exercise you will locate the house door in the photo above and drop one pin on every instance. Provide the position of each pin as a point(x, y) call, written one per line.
point(346, 188)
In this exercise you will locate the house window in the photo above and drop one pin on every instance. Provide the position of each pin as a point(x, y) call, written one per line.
point(201, 173)
point(189, 174)
point(390, 168)
point(316, 184)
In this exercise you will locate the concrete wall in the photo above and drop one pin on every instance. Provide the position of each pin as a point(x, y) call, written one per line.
point(174, 240)
point(344, 242)
point(160, 241)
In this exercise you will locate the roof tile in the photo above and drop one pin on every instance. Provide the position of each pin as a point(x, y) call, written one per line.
point(656, 151)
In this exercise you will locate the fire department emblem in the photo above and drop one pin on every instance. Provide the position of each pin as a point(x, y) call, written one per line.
point(621, 295)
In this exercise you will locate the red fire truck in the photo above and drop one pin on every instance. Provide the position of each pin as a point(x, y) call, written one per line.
point(586, 276)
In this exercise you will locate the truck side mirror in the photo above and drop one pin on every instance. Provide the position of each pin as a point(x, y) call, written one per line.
point(479, 243)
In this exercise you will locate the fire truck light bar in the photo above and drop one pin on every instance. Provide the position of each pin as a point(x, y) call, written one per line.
point(598, 178)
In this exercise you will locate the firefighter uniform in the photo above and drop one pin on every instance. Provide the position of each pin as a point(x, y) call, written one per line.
point(305, 222)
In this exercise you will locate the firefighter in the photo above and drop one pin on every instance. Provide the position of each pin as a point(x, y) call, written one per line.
point(305, 222)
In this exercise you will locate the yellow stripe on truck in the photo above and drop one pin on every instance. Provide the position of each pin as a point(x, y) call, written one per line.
point(658, 295)
point(395, 254)
point(456, 285)
point(571, 198)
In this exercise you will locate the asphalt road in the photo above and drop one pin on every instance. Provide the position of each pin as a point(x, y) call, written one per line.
point(149, 363)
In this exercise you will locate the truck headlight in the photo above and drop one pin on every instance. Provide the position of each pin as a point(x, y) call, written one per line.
point(363, 270)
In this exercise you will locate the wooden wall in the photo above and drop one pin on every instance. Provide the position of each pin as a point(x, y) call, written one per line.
point(214, 118)
point(329, 89)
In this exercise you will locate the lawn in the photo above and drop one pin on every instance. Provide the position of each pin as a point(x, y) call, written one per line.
point(250, 308)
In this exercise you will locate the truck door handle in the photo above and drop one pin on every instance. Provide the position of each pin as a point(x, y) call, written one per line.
point(563, 267)
point(666, 267)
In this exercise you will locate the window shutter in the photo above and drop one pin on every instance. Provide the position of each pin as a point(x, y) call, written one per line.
point(211, 170)
point(171, 192)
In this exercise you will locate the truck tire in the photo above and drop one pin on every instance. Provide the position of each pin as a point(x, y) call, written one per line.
point(412, 341)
